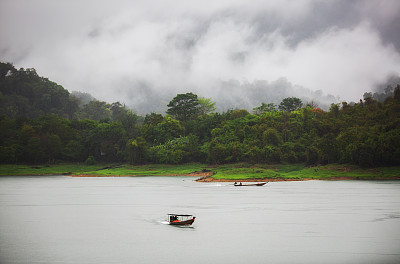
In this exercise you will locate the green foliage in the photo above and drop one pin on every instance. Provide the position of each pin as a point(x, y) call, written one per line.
point(239, 113)
point(73, 151)
point(137, 150)
point(95, 110)
point(184, 106)
point(34, 151)
point(396, 95)
point(161, 132)
point(272, 137)
point(25, 93)
point(90, 160)
point(41, 122)
point(153, 119)
point(53, 147)
point(263, 108)
point(7, 154)
point(106, 141)
point(290, 104)
point(175, 151)
point(206, 106)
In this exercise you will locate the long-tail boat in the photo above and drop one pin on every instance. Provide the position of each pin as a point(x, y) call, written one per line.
point(180, 219)
point(249, 184)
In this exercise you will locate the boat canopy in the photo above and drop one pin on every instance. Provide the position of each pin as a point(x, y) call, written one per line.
point(179, 217)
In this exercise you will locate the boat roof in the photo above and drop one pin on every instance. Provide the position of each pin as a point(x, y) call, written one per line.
point(181, 214)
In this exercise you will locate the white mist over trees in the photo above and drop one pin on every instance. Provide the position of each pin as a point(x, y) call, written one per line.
point(234, 94)
point(143, 53)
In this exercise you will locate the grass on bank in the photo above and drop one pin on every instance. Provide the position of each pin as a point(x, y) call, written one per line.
point(101, 169)
point(240, 171)
point(57, 169)
point(301, 171)
point(149, 170)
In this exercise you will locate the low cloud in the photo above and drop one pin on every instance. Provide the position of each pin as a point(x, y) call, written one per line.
point(143, 53)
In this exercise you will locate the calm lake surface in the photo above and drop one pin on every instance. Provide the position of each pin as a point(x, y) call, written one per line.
point(62, 219)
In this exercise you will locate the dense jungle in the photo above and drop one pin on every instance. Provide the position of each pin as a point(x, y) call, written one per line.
point(42, 122)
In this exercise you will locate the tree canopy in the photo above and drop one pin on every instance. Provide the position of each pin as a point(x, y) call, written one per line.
point(290, 104)
point(184, 106)
point(41, 122)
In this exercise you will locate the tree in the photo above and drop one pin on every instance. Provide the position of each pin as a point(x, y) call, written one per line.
point(34, 151)
point(82, 98)
point(239, 113)
point(118, 111)
point(206, 106)
point(290, 104)
point(263, 108)
point(272, 137)
point(6, 69)
point(184, 106)
point(25, 93)
point(54, 147)
point(136, 150)
point(95, 110)
point(74, 151)
point(153, 119)
point(106, 142)
point(177, 150)
point(397, 93)
point(167, 130)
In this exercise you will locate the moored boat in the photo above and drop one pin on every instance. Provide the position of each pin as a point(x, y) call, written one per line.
point(180, 219)
point(249, 184)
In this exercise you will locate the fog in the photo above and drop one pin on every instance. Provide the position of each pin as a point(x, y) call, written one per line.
point(240, 53)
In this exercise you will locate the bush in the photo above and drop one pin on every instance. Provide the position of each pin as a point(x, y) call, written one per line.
point(90, 160)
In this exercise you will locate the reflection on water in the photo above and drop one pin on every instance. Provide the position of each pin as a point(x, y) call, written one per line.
point(123, 220)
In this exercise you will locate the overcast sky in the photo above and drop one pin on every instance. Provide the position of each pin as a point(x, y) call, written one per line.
point(131, 51)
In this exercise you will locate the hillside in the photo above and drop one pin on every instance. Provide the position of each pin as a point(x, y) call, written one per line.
point(42, 123)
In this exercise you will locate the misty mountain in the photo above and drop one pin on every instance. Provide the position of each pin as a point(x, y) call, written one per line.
point(24, 93)
point(232, 94)
point(236, 95)
point(385, 89)
point(83, 98)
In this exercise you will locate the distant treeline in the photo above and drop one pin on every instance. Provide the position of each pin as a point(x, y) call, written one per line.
point(42, 122)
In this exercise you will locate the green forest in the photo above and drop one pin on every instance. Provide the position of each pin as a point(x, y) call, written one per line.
point(41, 122)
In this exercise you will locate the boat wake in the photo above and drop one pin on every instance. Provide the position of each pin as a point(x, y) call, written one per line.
point(216, 185)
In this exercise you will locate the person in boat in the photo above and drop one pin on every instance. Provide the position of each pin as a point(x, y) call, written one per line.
point(175, 219)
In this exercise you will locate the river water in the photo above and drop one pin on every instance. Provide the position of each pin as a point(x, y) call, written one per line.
point(62, 219)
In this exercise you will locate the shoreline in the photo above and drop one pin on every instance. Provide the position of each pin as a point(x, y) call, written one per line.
point(207, 177)
point(192, 174)
point(206, 173)
point(303, 179)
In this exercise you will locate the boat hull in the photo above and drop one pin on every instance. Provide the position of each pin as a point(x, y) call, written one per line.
point(251, 184)
point(183, 223)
